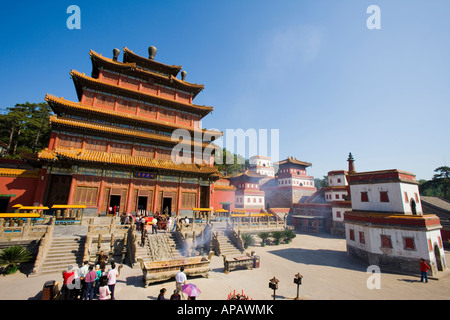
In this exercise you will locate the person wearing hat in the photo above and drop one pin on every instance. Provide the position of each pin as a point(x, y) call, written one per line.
point(68, 277)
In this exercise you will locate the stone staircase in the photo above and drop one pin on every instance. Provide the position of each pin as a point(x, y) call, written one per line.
point(159, 247)
point(227, 248)
point(64, 251)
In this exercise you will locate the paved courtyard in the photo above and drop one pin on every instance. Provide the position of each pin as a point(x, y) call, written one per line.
point(328, 274)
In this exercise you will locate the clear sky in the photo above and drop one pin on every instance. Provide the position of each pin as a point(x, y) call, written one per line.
point(311, 69)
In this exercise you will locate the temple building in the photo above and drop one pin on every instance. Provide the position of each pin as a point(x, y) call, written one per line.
point(248, 196)
point(262, 165)
point(290, 186)
point(324, 210)
point(114, 146)
point(387, 227)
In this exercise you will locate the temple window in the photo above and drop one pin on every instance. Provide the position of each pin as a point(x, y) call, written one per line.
point(364, 197)
point(384, 196)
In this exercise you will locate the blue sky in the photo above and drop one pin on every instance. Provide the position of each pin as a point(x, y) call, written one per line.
point(311, 69)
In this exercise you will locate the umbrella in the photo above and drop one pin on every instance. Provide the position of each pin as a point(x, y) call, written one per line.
point(191, 290)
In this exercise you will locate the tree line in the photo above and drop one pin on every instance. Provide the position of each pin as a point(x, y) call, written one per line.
point(25, 128)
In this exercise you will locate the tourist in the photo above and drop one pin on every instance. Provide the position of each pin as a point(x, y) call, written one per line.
point(113, 273)
point(98, 274)
point(423, 270)
point(68, 277)
point(174, 225)
point(176, 295)
point(169, 224)
point(154, 225)
point(103, 290)
point(90, 280)
point(142, 223)
point(180, 279)
point(138, 221)
point(186, 220)
point(143, 236)
point(83, 272)
point(102, 259)
point(161, 294)
point(77, 288)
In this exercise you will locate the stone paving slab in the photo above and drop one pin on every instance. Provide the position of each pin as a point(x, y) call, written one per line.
point(328, 274)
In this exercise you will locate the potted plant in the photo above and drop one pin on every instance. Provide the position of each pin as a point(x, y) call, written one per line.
point(247, 240)
point(277, 236)
point(11, 258)
point(264, 236)
point(288, 235)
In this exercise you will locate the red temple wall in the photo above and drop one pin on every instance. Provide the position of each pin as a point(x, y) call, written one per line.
point(23, 188)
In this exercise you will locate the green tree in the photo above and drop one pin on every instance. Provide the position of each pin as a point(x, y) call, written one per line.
point(439, 185)
point(321, 183)
point(25, 127)
point(225, 166)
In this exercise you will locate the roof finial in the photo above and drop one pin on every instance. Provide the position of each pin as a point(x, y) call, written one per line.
point(152, 52)
point(183, 75)
point(116, 53)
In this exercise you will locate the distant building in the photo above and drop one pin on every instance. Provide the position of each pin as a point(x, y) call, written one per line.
point(290, 186)
point(262, 165)
point(248, 195)
point(387, 227)
point(223, 195)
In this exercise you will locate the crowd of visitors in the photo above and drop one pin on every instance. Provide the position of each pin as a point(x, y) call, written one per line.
point(91, 281)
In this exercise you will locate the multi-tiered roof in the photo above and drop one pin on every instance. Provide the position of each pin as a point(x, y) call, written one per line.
point(137, 102)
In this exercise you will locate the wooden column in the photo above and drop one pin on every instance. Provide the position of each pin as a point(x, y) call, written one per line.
point(155, 197)
point(72, 189)
point(101, 196)
point(179, 195)
point(130, 196)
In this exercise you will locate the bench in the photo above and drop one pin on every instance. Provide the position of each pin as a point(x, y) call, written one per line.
point(235, 262)
point(156, 271)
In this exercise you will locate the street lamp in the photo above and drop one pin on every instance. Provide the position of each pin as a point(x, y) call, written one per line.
point(298, 281)
point(273, 284)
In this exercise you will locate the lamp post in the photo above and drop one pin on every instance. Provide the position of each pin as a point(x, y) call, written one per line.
point(298, 281)
point(273, 284)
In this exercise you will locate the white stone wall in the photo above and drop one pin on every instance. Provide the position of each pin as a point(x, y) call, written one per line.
point(395, 192)
point(372, 235)
point(337, 180)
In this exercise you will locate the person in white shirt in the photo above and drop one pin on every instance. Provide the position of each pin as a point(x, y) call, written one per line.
point(113, 273)
point(169, 224)
point(83, 272)
point(180, 279)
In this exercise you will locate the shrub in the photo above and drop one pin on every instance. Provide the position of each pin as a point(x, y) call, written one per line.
point(247, 240)
point(264, 236)
point(288, 235)
point(277, 236)
point(11, 258)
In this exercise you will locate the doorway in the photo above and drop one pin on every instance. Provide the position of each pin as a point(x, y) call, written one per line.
point(142, 205)
point(167, 206)
point(4, 203)
point(437, 255)
point(114, 201)
point(413, 207)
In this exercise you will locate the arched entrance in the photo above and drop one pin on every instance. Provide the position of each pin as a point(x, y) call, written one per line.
point(437, 255)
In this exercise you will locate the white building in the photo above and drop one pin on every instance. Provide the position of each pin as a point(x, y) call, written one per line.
point(262, 165)
point(386, 226)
